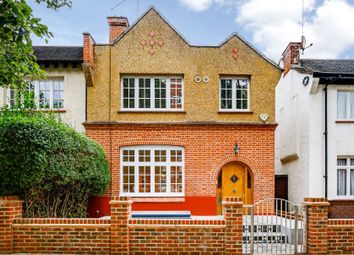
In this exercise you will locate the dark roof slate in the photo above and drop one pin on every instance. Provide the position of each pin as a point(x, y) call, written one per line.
point(329, 66)
point(58, 53)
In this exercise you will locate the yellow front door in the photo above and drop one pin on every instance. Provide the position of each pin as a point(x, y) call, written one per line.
point(235, 180)
point(233, 176)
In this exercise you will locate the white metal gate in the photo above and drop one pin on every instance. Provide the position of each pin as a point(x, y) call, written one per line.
point(274, 226)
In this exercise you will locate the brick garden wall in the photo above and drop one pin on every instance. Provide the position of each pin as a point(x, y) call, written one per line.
point(121, 234)
point(82, 236)
point(341, 236)
point(125, 235)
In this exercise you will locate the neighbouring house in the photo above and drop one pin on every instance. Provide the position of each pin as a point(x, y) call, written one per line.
point(315, 133)
point(183, 126)
point(63, 90)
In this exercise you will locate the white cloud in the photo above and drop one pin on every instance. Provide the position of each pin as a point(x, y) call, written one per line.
point(202, 5)
point(274, 23)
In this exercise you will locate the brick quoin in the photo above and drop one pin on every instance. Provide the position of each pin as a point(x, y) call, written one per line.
point(207, 148)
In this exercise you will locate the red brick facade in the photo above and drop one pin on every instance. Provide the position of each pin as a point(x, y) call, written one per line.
point(207, 148)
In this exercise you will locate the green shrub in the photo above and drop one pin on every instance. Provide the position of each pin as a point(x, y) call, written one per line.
point(49, 165)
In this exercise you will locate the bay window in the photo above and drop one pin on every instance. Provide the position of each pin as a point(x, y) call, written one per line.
point(152, 93)
point(152, 171)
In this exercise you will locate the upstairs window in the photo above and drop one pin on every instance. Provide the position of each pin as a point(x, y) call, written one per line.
point(48, 94)
point(345, 177)
point(234, 94)
point(152, 94)
point(152, 171)
point(345, 105)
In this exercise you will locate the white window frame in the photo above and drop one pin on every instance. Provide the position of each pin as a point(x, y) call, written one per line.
point(348, 167)
point(152, 165)
point(348, 106)
point(36, 94)
point(152, 92)
point(234, 109)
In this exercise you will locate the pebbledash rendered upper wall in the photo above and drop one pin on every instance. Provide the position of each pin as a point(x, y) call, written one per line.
point(172, 55)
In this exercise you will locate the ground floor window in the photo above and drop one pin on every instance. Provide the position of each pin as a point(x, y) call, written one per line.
point(345, 176)
point(152, 171)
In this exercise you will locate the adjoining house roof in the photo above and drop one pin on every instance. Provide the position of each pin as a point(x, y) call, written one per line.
point(152, 8)
point(329, 66)
point(58, 53)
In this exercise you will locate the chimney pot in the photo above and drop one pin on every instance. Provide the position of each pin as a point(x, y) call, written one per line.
point(117, 25)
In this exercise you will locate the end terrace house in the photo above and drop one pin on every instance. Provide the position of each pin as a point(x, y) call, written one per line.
point(315, 135)
point(183, 126)
point(62, 91)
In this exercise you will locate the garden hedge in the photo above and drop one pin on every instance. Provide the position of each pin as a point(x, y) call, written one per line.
point(49, 165)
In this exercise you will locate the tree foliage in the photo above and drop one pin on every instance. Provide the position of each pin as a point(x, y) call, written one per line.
point(17, 23)
point(49, 165)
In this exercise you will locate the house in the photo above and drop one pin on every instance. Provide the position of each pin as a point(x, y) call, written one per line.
point(182, 126)
point(63, 91)
point(315, 133)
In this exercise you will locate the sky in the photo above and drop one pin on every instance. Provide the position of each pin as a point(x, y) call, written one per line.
point(269, 25)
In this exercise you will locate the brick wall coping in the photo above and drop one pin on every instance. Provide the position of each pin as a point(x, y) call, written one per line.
point(62, 221)
point(212, 221)
point(315, 204)
point(191, 123)
point(341, 222)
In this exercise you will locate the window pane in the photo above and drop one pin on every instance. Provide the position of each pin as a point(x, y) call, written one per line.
point(160, 179)
point(144, 179)
point(128, 179)
point(160, 156)
point(176, 93)
point(58, 94)
point(341, 182)
point(144, 93)
point(226, 94)
point(341, 105)
point(128, 93)
point(241, 94)
point(176, 156)
point(341, 162)
point(176, 179)
point(44, 94)
point(160, 93)
point(352, 182)
point(352, 105)
point(128, 155)
point(144, 156)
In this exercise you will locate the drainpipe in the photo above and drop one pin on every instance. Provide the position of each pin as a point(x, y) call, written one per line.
point(326, 142)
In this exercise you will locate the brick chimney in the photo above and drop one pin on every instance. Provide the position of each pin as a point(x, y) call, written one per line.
point(291, 56)
point(117, 25)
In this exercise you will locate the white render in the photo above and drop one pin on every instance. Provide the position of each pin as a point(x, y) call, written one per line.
point(300, 132)
point(74, 95)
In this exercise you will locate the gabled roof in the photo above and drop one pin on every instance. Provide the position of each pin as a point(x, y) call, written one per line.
point(329, 66)
point(152, 8)
point(58, 53)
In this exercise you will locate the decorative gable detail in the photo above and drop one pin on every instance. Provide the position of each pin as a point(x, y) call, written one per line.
point(152, 43)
